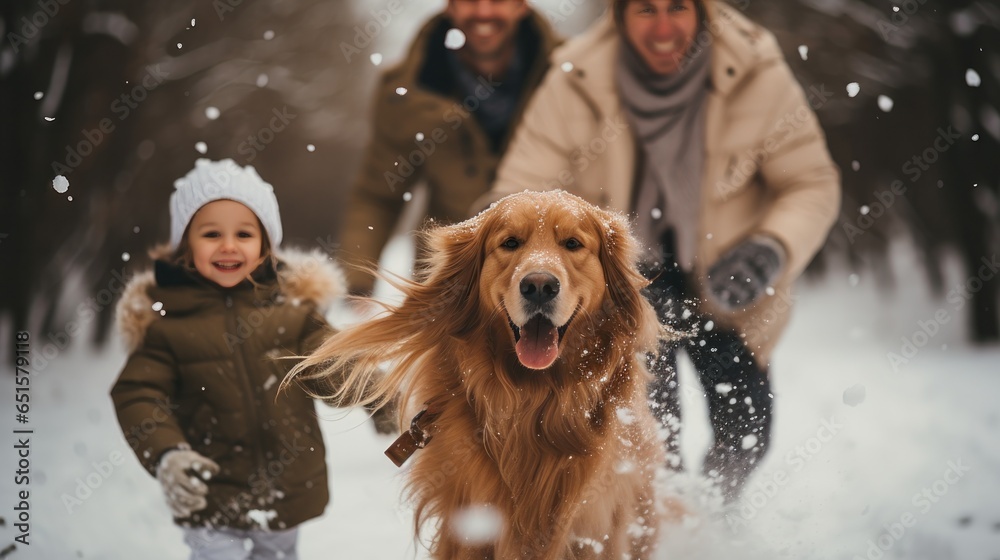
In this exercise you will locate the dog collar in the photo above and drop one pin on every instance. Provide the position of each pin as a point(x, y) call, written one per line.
point(417, 437)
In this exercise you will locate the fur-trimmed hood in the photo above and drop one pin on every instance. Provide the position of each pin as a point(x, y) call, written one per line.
point(306, 277)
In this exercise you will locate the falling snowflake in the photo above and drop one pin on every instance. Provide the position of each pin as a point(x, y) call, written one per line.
point(625, 416)
point(853, 89)
point(477, 525)
point(60, 184)
point(270, 381)
point(804, 52)
point(454, 39)
point(201, 147)
point(212, 113)
point(261, 517)
point(885, 103)
point(972, 78)
point(376, 58)
point(566, 66)
point(854, 395)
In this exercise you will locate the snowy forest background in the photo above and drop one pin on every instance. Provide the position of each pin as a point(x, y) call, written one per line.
point(120, 97)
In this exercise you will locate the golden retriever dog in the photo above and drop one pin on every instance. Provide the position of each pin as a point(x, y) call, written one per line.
point(524, 339)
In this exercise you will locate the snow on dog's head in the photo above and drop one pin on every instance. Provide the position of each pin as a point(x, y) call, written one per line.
point(548, 269)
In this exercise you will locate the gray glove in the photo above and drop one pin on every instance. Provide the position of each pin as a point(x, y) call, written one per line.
point(180, 472)
point(745, 272)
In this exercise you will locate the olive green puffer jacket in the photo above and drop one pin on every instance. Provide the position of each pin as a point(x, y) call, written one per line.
point(202, 371)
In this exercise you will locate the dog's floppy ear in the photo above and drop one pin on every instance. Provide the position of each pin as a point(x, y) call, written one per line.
point(449, 293)
point(619, 254)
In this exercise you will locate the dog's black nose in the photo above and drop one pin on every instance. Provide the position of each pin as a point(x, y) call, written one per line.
point(539, 287)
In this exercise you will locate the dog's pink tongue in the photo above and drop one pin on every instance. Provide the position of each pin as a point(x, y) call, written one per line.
point(539, 344)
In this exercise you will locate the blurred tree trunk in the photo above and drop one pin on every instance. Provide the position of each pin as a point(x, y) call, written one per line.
point(917, 56)
point(133, 87)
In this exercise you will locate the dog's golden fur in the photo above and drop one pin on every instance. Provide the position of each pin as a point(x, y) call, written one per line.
point(565, 454)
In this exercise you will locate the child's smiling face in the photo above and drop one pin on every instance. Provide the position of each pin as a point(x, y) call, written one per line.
point(225, 239)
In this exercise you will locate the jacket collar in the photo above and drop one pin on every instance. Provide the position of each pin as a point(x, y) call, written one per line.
point(739, 47)
point(307, 277)
point(169, 275)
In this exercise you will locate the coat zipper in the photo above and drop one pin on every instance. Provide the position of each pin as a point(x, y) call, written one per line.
point(254, 431)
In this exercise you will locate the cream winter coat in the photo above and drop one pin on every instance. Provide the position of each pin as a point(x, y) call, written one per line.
point(767, 168)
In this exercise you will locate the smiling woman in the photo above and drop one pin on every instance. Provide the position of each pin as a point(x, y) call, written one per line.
point(696, 85)
point(660, 31)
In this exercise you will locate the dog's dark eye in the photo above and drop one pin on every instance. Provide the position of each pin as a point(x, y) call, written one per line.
point(573, 244)
point(511, 243)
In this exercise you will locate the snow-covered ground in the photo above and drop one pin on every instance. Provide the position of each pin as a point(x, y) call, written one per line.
point(868, 460)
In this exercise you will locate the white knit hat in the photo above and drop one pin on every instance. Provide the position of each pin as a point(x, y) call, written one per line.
point(223, 180)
